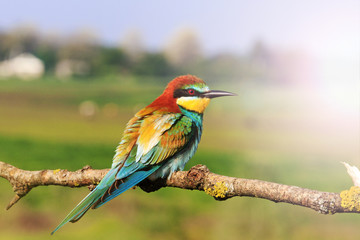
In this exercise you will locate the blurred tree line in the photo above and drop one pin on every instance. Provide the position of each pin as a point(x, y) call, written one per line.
point(82, 54)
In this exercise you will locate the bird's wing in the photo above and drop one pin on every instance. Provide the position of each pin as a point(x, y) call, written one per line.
point(160, 137)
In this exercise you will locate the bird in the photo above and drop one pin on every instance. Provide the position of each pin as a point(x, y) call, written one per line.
point(159, 140)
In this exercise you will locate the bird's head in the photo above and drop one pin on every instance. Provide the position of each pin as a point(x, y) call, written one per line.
point(188, 92)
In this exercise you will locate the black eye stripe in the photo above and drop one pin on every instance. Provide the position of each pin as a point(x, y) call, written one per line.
point(185, 93)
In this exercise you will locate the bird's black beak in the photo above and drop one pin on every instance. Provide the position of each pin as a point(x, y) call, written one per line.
point(217, 93)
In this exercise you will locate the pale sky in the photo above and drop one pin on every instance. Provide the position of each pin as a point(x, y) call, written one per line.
point(321, 27)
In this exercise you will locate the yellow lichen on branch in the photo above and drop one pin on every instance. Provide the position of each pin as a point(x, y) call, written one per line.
point(350, 199)
point(218, 191)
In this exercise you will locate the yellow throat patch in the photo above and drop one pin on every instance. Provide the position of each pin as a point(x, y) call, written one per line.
point(193, 103)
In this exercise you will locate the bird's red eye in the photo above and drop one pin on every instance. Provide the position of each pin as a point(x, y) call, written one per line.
point(191, 91)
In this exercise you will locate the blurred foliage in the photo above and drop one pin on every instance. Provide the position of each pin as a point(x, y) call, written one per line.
point(111, 60)
point(153, 64)
point(82, 55)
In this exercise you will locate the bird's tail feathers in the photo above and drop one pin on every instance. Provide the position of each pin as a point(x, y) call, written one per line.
point(81, 208)
point(127, 183)
point(107, 189)
point(89, 200)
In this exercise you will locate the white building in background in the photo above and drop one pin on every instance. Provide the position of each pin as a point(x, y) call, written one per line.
point(25, 66)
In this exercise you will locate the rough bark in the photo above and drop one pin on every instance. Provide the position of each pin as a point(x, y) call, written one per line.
point(197, 178)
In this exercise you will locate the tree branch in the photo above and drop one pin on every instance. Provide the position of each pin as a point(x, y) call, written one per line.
point(197, 178)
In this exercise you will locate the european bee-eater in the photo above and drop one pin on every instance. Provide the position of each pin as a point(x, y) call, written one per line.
point(158, 140)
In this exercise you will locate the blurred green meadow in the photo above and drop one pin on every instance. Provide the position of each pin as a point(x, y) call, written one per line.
point(270, 133)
